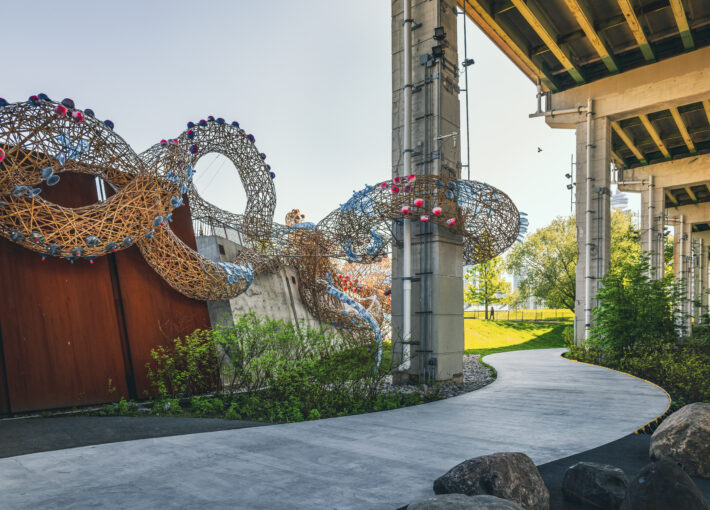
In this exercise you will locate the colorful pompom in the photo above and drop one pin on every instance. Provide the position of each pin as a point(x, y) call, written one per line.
point(272, 175)
point(109, 123)
point(2, 154)
point(451, 222)
point(163, 142)
point(69, 103)
point(210, 118)
point(3, 102)
point(235, 123)
point(407, 188)
point(220, 120)
point(412, 178)
point(436, 211)
point(194, 149)
point(383, 185)
point(203, 122)
point(89, 112)
point(397, 180)
point(43, 97)
point(190, 134)
point(263, 156)
point(418, 202)
point(251, 138)
point(34, 100)
point(60, 110)
point(424, 218)
point(395, 190)
point(190, 125)
point(405, 209)
point(77, 116)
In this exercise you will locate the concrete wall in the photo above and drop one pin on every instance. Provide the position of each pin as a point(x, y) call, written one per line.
point(437, 296)
point(274, 295)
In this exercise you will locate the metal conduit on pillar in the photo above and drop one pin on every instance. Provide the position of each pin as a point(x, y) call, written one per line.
point(588, 227)
point(407, 135)
point(652, 252)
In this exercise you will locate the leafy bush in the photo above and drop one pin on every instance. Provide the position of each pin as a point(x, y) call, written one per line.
point(635, 309)
point(271, 370)
point(568, 336)
point(188, 367)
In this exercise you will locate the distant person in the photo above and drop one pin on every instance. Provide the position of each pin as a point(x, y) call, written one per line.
point(493, 316)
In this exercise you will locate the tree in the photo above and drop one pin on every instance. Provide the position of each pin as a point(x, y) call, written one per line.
point(547, 259)
point(484, 284)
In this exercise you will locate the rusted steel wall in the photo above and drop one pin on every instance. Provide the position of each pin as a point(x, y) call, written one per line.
point(66, 329)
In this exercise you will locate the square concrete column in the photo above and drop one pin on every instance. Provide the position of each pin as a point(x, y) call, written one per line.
point(599, 210)
point(652, 214)
point(437, 258)
point(682, 261)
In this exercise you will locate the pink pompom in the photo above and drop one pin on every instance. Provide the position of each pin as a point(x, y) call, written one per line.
point(405, 209)
point(383, 185)
point(407, 188)
point(77, 116)
point(451, 222)
point(60, 110)
point(424, 218)
point(436, 211)
point(395, 190)
point(163, 142)
point(411, 178)
point(2, 154)
point(397, 180)
point(418, 202)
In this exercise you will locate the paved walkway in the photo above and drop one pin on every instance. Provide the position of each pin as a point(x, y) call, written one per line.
point(541, 404)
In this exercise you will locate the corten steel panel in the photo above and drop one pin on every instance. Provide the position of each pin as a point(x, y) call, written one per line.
point(154, 312)
point(60, 332)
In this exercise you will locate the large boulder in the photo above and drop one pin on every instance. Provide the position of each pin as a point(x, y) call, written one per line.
point(463, 502)
point(663, 485)
point(595, 485)
point(685, 438)
point(511, 476)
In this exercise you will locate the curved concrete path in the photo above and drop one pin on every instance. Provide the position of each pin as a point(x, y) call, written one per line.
point(541, 404)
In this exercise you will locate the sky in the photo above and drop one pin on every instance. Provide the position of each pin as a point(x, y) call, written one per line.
point(310, 79)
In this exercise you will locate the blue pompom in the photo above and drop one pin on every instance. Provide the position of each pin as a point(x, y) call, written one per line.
point(109, 124)
point(43, 97)
point(69, 103)
point(89, 112)
point(220, 120)
point(235, 123)
point(190, 125)
point(3, 102)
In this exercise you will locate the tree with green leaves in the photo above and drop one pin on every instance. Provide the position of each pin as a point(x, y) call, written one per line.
point(485, 284)
point(547, 259)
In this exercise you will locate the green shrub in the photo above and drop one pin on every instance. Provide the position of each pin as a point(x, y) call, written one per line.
point(568, 336)
point(188, 367)
point(635, 309)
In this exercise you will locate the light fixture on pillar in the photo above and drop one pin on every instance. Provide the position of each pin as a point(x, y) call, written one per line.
point(437, 51)
point(570, 186)
point(439, 34)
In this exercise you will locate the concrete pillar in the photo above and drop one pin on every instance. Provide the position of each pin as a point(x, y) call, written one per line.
point(437, 293)
point(652, 213)
point(682, 260)
point(701, 243)
point(600, 232)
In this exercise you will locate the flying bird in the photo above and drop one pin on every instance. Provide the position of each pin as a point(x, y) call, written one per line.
point(539, 149)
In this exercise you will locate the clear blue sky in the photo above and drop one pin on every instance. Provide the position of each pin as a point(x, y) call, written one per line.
point(311, 80)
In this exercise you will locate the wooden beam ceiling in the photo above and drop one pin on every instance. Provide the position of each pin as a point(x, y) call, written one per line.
point(636, 29)
point(682, 22)
point(629, 143)
point(585, 21)
point(654, 135)
point(691, 194)
point(504, 38)
point(706, 106)
point(683, 130)
point(671, 197)
point(534, 16)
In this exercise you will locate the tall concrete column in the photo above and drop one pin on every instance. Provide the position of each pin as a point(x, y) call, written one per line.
point(600, 211)
point(652, 213)
point(437, 290)
point(682, 259)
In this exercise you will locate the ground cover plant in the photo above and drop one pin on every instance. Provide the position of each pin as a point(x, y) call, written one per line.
point(488, 337)
point(261, 369)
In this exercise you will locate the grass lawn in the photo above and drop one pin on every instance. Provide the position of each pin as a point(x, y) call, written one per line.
point(487, 337)
point(544, 314)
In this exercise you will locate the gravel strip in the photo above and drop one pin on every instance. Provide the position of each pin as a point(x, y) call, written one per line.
point(475, 376)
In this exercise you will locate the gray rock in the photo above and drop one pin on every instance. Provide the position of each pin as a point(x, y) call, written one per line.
point(663, 485)
point(595, 485)
point(685, 438)
point(463, 502)
point(511, 476)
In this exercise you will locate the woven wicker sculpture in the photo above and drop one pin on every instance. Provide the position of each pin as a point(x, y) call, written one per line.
point(41, 139)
